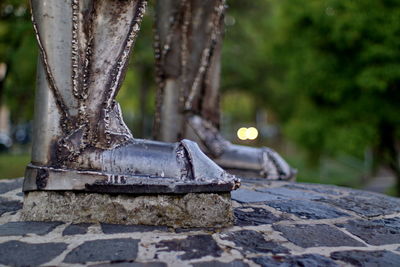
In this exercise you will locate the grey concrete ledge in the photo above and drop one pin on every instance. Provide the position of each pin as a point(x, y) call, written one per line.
point(184, 210)
point(275, 224)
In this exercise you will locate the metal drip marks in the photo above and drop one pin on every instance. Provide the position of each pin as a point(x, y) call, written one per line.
point(207, 53)
point(187, 14)
point(75, 47)
point(118, 70)
point(161, 50)
point(124, 56)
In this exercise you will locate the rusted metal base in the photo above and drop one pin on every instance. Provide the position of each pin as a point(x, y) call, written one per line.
point(53, 179)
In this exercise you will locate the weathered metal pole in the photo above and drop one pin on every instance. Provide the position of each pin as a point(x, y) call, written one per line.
point(80, 140)
point(188, 50)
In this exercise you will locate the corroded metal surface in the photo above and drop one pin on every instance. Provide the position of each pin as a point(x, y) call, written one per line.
point(187, 51)
point(80, 140)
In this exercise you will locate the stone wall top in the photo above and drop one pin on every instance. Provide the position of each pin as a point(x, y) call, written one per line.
point(276, 224)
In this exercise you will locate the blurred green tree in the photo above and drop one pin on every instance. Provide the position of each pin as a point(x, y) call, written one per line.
point(18, 52)
point(335, 76)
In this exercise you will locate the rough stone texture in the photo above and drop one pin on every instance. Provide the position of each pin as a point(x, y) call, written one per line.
point(319, 235)
point(251, 196)
point(376, 232)
point(285, 193)
point(276, 224)
point(367, 204)
point(307, 209)
point(9, 205)
point(76, 229)
point(220, 264)
point(382, 258)
point(307, 260)
point(23, 228)
point(18, 253)
point(189, 210)
point(194, 247)
point(10, 185)
point(118, 228)
point(131, 264)
point(254, 216)
point(252, 241)
point(101, 250)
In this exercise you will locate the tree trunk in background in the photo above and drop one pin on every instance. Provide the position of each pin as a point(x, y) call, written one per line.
point(188, 48)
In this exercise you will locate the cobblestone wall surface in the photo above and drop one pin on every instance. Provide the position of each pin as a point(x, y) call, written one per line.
point(276, 224)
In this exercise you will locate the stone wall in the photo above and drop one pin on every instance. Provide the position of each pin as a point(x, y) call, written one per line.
point(276, 224)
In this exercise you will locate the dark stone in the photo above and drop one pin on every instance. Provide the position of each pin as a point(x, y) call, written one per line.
point(318, 235)
point(6, 186)
point(287, 193)
point(307, 209)
point(119, 228)
point(367, 204)
point(309, 260)
point(20, 194)
point(131, 264)
point(249, 196)
point(252, 241)
point(9, 205)
point(325, 189)
point(195, 247)
point(23, 228)
point(119, 249)
point(377, 232)
point(194, 229)
point(257, 216)
point(16, 253)
point(76, 229)
point(368, 258)
point(220, 264)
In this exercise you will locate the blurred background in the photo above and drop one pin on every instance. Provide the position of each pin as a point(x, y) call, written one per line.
point(317, 80)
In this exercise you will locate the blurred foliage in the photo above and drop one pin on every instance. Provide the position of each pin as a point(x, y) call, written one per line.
point(19, 52)
point(329, 70)
point(13, 165)
point(337, 73)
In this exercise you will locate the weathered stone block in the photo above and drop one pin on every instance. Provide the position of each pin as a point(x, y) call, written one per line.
point(187, 210)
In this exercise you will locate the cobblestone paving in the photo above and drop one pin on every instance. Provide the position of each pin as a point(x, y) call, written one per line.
point(277, 224)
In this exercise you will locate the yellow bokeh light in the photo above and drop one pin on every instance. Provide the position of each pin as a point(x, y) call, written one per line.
point(242, 133)
point(252, 133)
